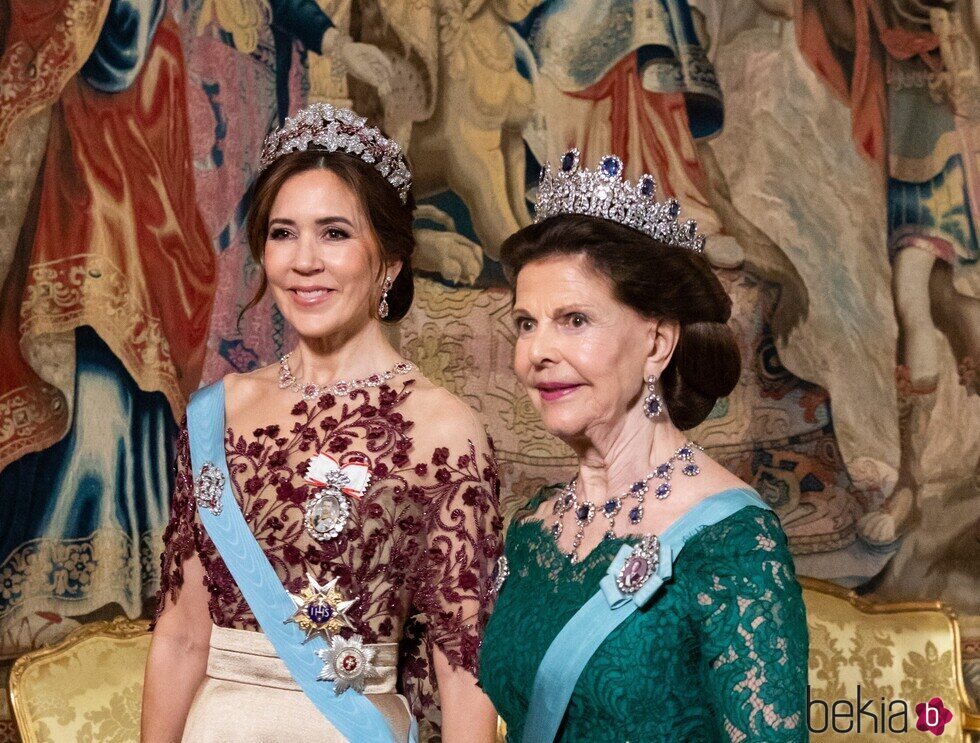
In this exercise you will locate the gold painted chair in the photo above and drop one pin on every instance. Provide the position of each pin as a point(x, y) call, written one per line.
point(902, 651)
point(87, 687)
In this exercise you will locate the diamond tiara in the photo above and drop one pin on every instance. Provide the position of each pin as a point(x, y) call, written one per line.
point(603, 193)
point(339, 130)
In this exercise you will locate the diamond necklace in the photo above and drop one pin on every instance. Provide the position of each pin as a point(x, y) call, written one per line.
point(586, 511)
point(311, 391)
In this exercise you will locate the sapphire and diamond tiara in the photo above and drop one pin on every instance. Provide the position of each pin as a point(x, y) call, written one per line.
point(603, 193)
point(339, 130)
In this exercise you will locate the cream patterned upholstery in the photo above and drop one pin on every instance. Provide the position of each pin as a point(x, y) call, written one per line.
point(908, 651)
point(85, 689)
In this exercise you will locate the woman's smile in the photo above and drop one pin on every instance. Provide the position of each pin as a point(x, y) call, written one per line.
point(552, 391)
point(310, 296)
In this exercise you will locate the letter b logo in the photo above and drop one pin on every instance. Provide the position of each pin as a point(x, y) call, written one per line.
point(933, 716)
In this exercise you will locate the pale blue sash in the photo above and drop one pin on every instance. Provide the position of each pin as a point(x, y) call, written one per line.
point(351, 713)
point(579, 639)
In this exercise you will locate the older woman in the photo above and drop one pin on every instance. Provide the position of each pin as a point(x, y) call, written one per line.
point(652, 597)
point(324, 501)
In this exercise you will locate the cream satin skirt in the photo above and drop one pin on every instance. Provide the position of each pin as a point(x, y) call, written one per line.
point(248, 696)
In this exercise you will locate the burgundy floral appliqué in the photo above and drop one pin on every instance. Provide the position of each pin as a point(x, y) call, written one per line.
point(421, 541)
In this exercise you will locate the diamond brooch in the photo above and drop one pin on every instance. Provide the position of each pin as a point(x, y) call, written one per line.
point(208, 486)
point(642, 562)
point(500, 572)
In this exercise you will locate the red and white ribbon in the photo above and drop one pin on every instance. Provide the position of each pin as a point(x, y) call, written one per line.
point(323, 465)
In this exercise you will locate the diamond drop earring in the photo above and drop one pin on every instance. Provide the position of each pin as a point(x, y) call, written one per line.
point(653, 404)
point(383, 306)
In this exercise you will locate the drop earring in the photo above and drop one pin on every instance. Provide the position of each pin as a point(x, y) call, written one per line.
point(383, 305)
point(653, 404)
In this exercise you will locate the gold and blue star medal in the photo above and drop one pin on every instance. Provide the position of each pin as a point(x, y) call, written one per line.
point(320, 609)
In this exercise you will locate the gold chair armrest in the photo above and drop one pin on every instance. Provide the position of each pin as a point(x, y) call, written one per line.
point(971, 721)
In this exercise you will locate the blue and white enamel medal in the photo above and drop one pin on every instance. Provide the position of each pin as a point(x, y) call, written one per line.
point(320, 609)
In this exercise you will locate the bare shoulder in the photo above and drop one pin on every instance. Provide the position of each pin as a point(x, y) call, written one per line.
point(247, 390)
point(442, 416)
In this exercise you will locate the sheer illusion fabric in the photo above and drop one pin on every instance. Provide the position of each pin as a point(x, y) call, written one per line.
point(419, 546)
point(719, 655)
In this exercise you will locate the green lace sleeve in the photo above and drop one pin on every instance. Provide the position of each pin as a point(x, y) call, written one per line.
point(753, 630)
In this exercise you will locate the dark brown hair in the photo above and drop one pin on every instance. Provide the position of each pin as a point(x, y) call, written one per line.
point(658, 281)
point(390, 219)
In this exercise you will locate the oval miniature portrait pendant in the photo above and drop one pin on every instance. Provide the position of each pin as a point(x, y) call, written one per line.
point(327, 512)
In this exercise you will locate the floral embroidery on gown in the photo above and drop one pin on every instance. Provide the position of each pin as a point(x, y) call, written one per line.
point(719, 655)
point(418, 549)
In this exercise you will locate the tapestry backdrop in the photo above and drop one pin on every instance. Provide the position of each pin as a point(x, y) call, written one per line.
point(830, 148)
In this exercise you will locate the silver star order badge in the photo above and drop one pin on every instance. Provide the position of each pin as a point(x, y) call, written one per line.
point(320, 609)
point(208, 487)
point(347, 663)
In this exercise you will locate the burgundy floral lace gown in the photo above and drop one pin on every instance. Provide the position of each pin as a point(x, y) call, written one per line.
point(419, 546)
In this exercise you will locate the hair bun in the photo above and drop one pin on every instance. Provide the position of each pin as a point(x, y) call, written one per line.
point(705, 366)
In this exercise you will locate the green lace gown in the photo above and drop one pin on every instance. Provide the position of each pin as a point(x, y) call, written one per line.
point(720, 654)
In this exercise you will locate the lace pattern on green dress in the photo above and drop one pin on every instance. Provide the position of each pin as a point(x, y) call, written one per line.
point(719, 655)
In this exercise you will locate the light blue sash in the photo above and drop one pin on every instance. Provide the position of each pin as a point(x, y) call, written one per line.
point(579, 639)
point(351, 713)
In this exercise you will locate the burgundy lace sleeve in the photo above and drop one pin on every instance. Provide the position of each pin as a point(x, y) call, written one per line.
point(178, 538)
point(463, 540)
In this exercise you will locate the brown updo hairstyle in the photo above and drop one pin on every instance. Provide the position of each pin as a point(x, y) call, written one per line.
point(390, 219)
point(658, 281)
